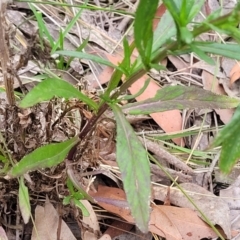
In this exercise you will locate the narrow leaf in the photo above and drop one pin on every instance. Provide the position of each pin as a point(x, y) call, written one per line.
point(226, 50)
point(129, 97)
point(133, 162)
point(229, 139)
point(24, 202)
point(43, 157)
point(79, 204)
point(174, 10)
point(202, 55)
point(164, 31)
point(143, 33)
point(50, 88)
point(88, 57)
point(193, 8)
point(67, 29)
point(180, 97)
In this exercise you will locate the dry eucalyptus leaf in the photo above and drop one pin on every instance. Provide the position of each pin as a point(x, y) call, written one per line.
point(91, 221)
point(46, 220)
point(215, 209)
point(105, 237)
point(176, 223)
point(231, 196)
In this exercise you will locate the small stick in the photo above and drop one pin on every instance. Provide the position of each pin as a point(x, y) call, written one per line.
point(4, 55)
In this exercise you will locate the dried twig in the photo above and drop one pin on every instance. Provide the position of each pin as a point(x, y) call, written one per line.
point(4, 55)
point(163, 154)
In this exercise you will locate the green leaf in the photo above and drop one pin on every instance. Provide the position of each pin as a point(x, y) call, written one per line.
point(126, 63)
point(180, 97)
point(229, 139)
point(78, 49)
point(202, 55)
point(143, 33)
point(41, 27)
point(226, 50)
point(88, 57)
point(82, 207)
point(70, 25)
point(174, 10)
point(128, 97)
point(24, 202)
point(133, 162)
point(66, 200)
point(194, 7)
point(43, 157)
point(164, 31)
point(50, 88)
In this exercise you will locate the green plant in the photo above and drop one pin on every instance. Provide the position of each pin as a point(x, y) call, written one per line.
point(152, 47)
point(75, 197)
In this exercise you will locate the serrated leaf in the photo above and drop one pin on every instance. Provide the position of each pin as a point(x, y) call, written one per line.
point(180, 97)
point(143, 33)
point(50, 88)
point(43, 157)
point(226, 50)
point(133, 162)
point(24, 202)
point(229, 139)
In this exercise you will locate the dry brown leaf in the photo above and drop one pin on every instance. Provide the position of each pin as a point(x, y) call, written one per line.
point(89, 236)
point(175, 223)
point(231, 196)
point(214, 208)
point(91, 222)
point(211, 83)
point(105, 237)
point(117, 228)
point(235, 73)
point(46, 220)
point(179, 64)
point(166, 221)
point(113, 200)
point(3, 235)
